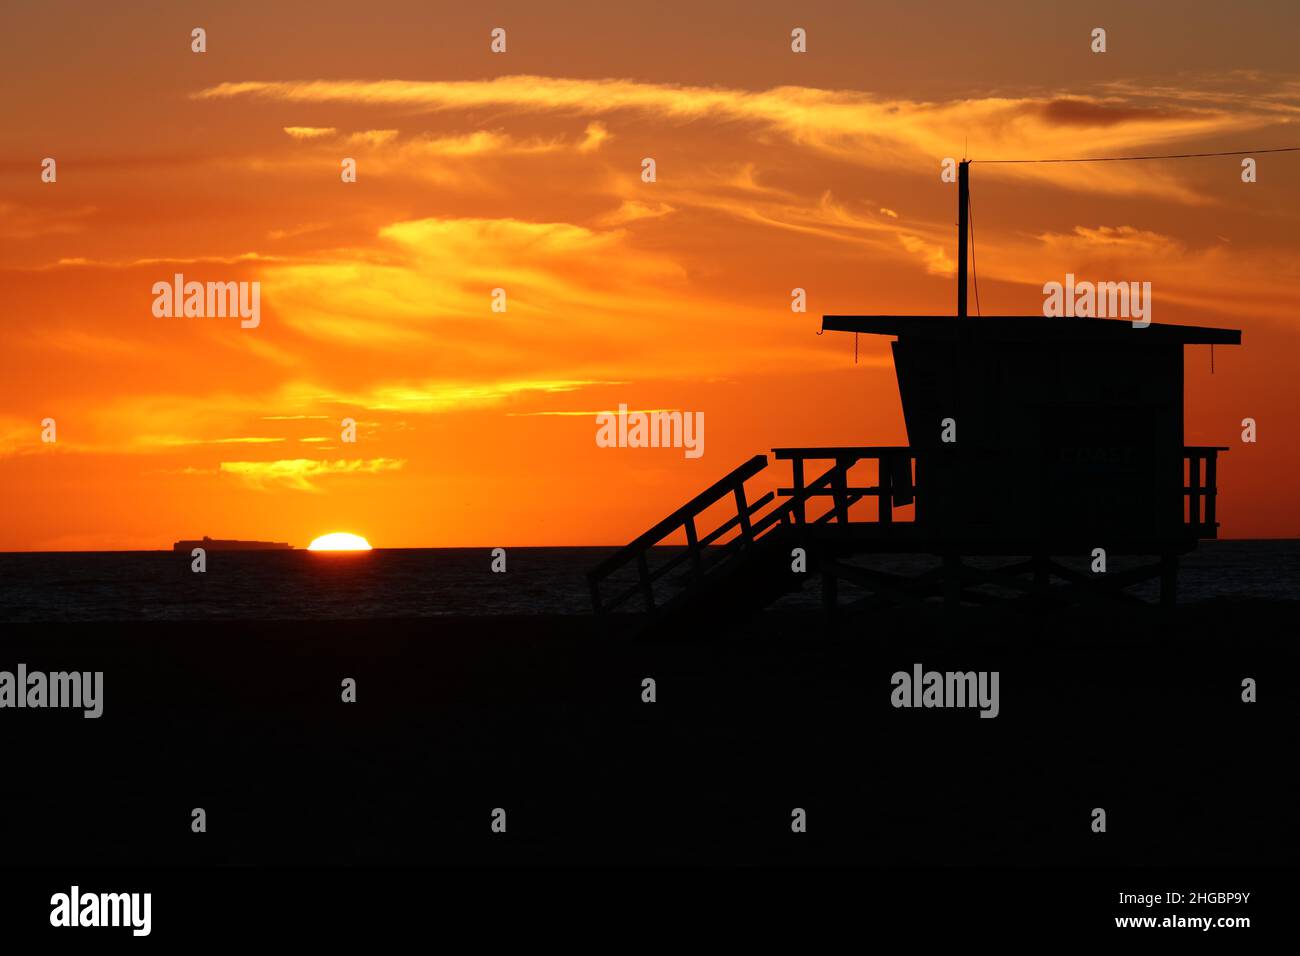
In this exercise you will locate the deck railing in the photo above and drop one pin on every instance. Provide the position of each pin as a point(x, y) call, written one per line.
point(896, 486)
point(1202, 489)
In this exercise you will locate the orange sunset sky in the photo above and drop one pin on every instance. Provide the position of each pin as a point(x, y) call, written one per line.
point(522, 171)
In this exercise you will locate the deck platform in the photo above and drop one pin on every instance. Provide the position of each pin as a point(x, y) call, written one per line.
point(748, 560)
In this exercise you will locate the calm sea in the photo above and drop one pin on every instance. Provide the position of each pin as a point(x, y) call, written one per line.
point(301, 585)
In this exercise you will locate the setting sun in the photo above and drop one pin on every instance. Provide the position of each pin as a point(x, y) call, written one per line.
point(339, 541)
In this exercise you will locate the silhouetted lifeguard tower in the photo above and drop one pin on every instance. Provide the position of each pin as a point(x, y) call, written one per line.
point(1029, 437)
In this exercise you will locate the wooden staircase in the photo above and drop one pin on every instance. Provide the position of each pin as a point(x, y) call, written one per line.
point(745, 563)
point(712, 578)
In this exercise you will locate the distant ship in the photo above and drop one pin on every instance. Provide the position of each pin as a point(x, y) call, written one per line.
point(220, 544)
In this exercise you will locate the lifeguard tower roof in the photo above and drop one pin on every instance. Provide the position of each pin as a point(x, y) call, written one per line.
point(1027, 328)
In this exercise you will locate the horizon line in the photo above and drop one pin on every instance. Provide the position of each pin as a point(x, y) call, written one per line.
point(470, 547)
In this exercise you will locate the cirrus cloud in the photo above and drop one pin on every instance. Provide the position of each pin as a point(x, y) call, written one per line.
point(299, 473)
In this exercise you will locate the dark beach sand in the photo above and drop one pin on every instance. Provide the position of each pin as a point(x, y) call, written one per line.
point(543, 716)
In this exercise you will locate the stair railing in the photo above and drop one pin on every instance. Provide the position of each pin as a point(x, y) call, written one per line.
point(683, 518)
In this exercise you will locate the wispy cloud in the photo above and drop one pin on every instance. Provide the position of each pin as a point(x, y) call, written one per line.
point(605, 411)
point(372, 137)
point(436, 396)
point(175, 440)
point(310, 132)
point(935, 258)
point(302, 473)
point(436, 275)
point(243, 257)
point(631, 210)
point(852, 126)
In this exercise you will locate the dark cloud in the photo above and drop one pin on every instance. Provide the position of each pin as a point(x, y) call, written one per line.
point(1068, 111)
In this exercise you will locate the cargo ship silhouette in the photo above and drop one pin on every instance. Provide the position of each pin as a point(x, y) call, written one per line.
point(227, 544)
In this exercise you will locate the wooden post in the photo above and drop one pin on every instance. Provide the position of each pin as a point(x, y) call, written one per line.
point(918, 494)
point(1194, 484)
point(901, 487)
point(742, 511)
point(796, 465)
point(885, 469)
point(840, 490)
point(1168, 580)
point(693, 543)
point(1211, 492)
point(963, 207)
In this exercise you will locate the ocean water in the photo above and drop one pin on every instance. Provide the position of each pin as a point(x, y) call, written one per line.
point(302, 585)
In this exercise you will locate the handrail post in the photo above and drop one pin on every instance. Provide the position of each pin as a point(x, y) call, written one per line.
point(885, 481)
point(1194, 487)
point(796, 465)
point(693, 543)
point(918, 492)
point(1211, 490)
point(839, 482)
point(742, 510)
